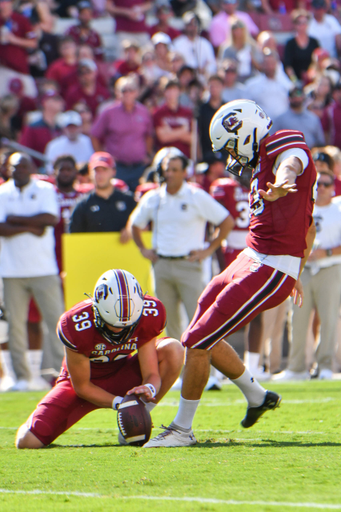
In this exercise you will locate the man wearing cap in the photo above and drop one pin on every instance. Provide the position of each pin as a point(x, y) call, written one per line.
point(321, 280)
point(88, 90)
point(28, 212)
point(219, 29)
point(196, 50)
point(298, 117)
point(106, 208)
point(325, 28)
point(37, 134)
point(125, 131)
point(162, 44)
point(324, 162)
point(72, 142)
point(82, 33)
point(16, 37)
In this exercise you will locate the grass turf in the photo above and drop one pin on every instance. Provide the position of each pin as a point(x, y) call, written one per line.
point(290, 460)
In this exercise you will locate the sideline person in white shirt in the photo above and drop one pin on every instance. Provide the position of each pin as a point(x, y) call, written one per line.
point(72, 142)
point(179, 213)
point(28, 213)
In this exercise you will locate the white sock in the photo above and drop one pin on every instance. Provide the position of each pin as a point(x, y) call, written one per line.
point(185, 415)
point(252, 390)
point(35, 358)
point(251, 360)
point(3, 331)
point(6, 364)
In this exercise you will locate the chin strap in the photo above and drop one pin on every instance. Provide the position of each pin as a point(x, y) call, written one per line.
point(255, 143)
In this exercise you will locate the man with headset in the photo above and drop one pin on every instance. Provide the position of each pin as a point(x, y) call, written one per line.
point(179, 212)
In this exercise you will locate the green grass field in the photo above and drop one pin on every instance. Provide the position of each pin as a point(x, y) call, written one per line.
point(290, 460)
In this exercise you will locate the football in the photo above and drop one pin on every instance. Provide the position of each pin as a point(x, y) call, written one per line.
point(134, 421)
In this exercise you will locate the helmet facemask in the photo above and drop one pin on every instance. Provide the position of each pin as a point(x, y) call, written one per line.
point(117, 302)
point(115, 338)
point(236, 163)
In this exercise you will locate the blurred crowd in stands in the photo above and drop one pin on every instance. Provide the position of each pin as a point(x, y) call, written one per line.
point(91, 90)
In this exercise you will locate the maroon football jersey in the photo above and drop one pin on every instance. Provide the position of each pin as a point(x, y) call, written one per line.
point(235, 198)
point(76, 329)
point(280, 227)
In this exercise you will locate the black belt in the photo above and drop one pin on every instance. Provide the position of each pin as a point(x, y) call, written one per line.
point(172, 257)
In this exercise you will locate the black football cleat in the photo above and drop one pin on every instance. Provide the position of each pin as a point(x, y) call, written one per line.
point(271, 401)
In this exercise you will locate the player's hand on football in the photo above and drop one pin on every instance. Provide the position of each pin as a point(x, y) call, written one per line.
point(150, 254)
point(144, 391)
point(277, 190)
point(297, 293)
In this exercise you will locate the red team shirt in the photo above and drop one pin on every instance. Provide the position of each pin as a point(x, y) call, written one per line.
point(164, 116)
point(11, 55)
point(75, 94)
point(60, 71)
point(66, 201)
point(235, 198)
point(280, 227)
point(114, 368)
point(91, 39)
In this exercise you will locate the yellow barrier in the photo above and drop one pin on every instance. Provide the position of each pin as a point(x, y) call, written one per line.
point(87, 255)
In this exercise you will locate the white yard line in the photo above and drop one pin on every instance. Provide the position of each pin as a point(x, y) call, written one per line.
point(206, 403)
point(219, 430)
point(323, 506)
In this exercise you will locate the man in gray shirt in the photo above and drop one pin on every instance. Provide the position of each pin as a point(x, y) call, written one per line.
point(298, 117)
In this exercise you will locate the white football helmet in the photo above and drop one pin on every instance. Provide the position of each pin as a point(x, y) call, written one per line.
point(117, 301)
point(238, 126)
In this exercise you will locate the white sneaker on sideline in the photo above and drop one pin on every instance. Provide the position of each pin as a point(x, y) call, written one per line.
point(325, 374)
point(260, 375)
point(213, 384)
point(20, 385)
point(171, 438)
point(38, 384)
point(177, 385)
point(6, 383)
point(288, 375)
